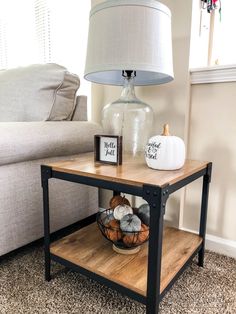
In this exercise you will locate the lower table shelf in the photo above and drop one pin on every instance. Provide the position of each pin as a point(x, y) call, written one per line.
point(87, 248)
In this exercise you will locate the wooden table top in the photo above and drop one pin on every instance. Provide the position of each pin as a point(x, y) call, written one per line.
point(132, 172)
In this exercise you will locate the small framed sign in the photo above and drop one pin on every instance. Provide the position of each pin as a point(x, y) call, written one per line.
point(108, 149)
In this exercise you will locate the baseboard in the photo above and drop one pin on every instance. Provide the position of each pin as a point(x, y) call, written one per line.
point(219, 245)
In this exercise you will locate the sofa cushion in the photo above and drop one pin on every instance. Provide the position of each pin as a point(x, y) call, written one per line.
point(37, 92)
point(24, 141)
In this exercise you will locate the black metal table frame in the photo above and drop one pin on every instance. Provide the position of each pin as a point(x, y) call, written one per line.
point(156, 197)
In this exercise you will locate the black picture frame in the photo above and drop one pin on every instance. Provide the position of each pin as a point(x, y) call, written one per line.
point(112, 154)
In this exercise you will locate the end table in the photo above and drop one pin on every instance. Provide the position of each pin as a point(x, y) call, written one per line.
point(149, 274)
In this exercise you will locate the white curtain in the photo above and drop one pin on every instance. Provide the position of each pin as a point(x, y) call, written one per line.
point(17, 33)
point(41, 31)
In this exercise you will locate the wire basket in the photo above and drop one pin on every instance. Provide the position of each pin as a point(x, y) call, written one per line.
point(112, 232)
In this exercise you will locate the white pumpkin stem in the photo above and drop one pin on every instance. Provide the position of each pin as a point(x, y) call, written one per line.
point(166, 131)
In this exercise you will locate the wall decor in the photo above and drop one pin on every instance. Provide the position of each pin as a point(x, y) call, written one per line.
point(165, 152)
point(108, 149)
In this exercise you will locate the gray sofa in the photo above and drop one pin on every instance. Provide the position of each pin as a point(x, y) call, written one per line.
point(39, 113)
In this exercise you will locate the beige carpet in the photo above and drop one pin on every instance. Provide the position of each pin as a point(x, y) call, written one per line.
point(23, 289)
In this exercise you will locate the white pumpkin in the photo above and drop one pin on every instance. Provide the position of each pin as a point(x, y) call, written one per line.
point(165, 152)
point(121, 210)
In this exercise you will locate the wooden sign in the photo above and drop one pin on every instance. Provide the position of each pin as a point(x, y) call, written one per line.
point(108, 149)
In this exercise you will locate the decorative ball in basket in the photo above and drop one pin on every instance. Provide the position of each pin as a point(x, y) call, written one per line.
point(125, 227)
point(165, 152)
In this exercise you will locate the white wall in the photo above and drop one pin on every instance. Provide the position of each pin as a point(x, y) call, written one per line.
point(207, 122)
point(212, 137)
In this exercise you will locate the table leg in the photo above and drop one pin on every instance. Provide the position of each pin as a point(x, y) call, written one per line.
point(156, 197)
point(203, 219)
point(115, 193)
point(45, 176)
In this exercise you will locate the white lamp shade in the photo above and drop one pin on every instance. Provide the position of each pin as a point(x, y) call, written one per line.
point(129, 35)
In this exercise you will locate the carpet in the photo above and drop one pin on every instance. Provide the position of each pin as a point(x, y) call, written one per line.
point(208, 290)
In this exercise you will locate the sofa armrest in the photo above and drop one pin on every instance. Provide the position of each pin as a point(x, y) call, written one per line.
point(80, 112)
point(23, 141)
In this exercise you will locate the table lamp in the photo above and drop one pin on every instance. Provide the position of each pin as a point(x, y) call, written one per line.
point(129, 43)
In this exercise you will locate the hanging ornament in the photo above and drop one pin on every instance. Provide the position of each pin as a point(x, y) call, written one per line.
point(211, 5)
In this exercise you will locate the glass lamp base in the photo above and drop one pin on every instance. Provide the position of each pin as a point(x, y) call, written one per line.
point(130, 118)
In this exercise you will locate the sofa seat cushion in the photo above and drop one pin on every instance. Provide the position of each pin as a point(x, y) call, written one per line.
point(24, 141)
point(37, 92)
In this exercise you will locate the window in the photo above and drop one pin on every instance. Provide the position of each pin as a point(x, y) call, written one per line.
point(223, 41)
point(18, 45)
point(212, 38)
point(39, 31)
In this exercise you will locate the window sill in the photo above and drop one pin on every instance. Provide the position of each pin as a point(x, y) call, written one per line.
point(213, 74)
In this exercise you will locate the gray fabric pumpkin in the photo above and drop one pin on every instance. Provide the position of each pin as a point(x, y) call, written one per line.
point(130, 223)
point(144, 213)
point(106, 216)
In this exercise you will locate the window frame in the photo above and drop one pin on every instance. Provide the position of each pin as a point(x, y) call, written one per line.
point(212, 73)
